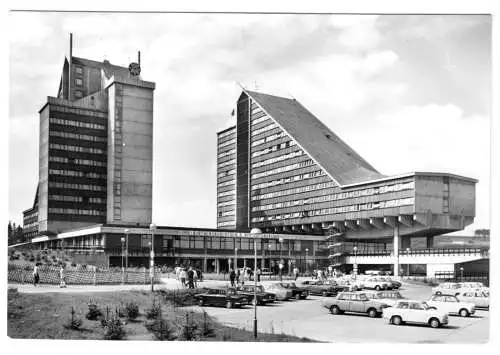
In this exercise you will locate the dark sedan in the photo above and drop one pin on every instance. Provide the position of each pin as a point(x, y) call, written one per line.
point(297, 292)
point(318, 287)
point(263, 297)
point(222, 297)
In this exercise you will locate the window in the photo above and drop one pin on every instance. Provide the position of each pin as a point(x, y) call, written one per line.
point(416, 306)
point(78, 70)
point(78, 82)
point(403, 305)
point(78, 94)
point(451, 299)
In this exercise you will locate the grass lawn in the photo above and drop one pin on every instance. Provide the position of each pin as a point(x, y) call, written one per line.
point(42, 316)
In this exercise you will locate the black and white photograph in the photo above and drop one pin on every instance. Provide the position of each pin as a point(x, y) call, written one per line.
point(277, 177)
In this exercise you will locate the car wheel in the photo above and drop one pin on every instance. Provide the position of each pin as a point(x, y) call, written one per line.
point(377, 288)
point(463, 312)
point(396, 320)
point(372, 312)
point(200, 302)
point(229, 304)
point(334, 310)
point(438, 293)
point(324, 293)
point(297, 296)
point(434, 323)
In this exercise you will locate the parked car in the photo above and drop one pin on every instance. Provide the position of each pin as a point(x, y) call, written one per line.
point(388, 297)
point(449, 288)
point(297, 292)
point(373, 283)
point(392, 283)
point(350, 284)
point(279, 291)
point(409, 311)
point(221, 297)
point(473, 285)
point(451, 305)
point(263, 297)
point(480, 299)
point(323, 288)
point(354, 302)
point(266, 271)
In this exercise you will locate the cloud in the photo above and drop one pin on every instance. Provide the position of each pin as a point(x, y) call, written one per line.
point(28, 28)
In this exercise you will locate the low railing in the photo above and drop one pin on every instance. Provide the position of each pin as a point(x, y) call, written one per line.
point(417, 252)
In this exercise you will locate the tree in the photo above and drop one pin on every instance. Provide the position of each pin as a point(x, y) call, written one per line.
point(482, 233)
point(10, 234)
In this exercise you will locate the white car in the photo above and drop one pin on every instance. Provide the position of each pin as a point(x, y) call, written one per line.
point(480, 298)
point(409, 311)
point(473, 285)
point(449, 288)
point(375, 284)
point(451, 305)
point(390, 298)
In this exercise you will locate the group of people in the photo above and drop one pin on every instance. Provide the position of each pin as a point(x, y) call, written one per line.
point(188, 277)
point(238, 276)
point(36, 276)
point(323, 274)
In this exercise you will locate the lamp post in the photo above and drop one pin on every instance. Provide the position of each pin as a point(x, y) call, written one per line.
point(408, 267)
point(123, 267)
point(235, 266)
point(355, 268)
point(307, 256)
point(254, 232)
point(281, 260)
point(152, 227)
point(126, 248)
point(461, 274)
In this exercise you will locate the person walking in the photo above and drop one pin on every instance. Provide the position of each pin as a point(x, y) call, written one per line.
point(183, 277)
point(190, 274)
point(62, 276)
point(232, 277)
point(319, 274)
point(195, 278)
point(36, 276)
point(258, 275)
point(296, 273)
point(238, 276)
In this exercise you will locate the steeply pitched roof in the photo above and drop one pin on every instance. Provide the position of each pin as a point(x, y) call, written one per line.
point(339, 160)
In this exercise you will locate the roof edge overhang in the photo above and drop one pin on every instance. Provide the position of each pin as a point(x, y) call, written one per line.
point(416, 173)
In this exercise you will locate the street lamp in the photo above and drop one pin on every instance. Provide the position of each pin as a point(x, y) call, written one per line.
point(408, 268)
point(461, 274)
point(126, 248)
point(355, 262)
point(281, 260)
point(254, 232)
point(123, 267)
point(307, 256)
point(235, 266)
point(152, 227)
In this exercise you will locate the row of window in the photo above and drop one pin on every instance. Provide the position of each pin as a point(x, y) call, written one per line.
point(227, 173)
point(225, 224)
point(336, 210)
point(63, 185)
point(282, 169)
point(77, 173)
point(226, 193)
point(227, 133)
point(260, 119)
point(276, 182)
point(74, 148)
point(320, 186)
point(227, 183)
point(76, 123)
point(377, 190)
point(89, 162)
point(227, 213)
point(229, 142)
point(291, 155)
point(77, 211)
point(226, 153)
point(66, 198)
point(79, 111)
point(264, 129)
point(227, 203)
point(229, 162)
point(263, 245)
point(78, 136)
point(273, 148)
point(270, 138)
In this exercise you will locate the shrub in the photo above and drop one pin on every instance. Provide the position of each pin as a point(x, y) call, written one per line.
point(38, 258)
point(94, 313)
point(73, 264)
point(32, 259)
point(161, 329)
point(132, 310)
point(189, 329)
point(74, 322)
point(113, 329)
point(207, 330)
point(155, 310)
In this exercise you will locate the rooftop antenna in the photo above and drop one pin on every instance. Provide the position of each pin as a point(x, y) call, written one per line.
point(139, 57)
point(69, 64)
point(255, 85)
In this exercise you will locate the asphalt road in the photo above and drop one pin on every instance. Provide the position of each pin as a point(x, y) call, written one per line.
point(307, 318)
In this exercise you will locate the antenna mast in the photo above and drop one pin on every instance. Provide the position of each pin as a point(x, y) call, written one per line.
point(69, 64)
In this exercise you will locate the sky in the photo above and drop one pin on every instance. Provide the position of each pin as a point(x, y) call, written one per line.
point(407, 92)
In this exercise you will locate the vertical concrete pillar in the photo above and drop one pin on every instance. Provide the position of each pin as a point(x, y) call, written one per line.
point(217, 265)
point(244, 262)
point(396, 245)
point(429, 242)
point(205, 265)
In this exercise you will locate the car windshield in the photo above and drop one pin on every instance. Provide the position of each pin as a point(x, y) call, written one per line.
point(425, 305)
point(363, 297)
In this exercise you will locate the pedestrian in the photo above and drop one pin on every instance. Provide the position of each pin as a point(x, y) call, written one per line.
point(183, 276)
point(232, 277)
point(200, 274)
point(190, 275)
point(177, 272)
point(36, 276)
point(195, 278)
point(296, 273)
point(319, 275)
point(258, 275)
point(238, 276)
point(62, 277)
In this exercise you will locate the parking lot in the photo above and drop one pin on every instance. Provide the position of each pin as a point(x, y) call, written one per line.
point(307, 318)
